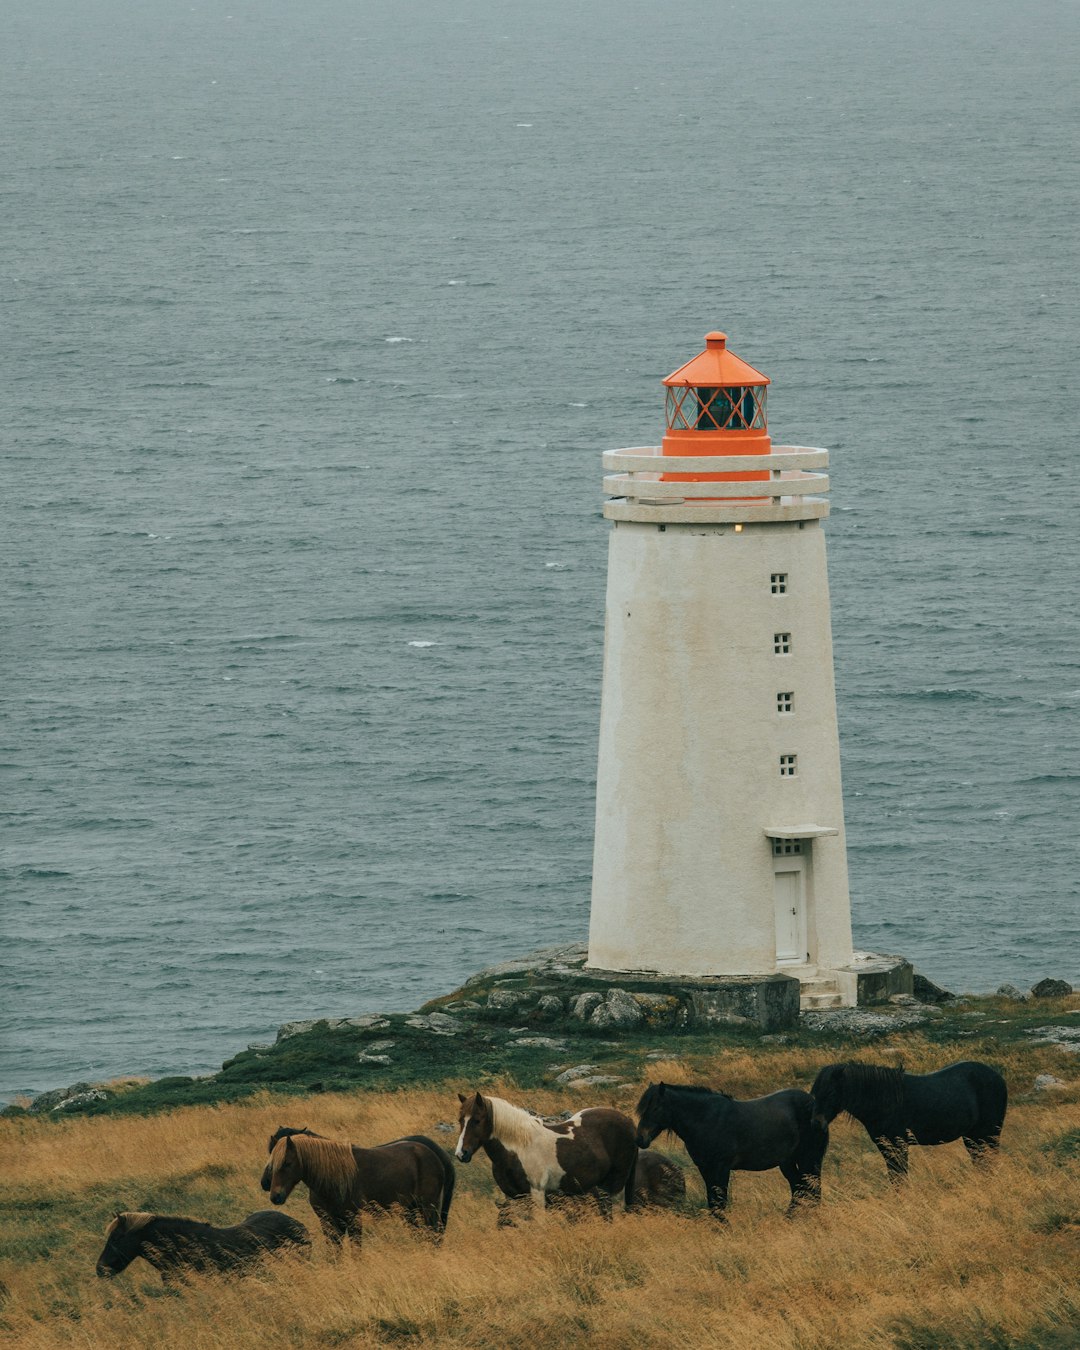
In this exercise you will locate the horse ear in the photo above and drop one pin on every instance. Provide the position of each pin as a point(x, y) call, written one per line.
point(461, 1098)
point(660, 1089)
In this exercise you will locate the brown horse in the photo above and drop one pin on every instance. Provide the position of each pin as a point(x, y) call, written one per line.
point(658, 1182)
point(593, 1151)
point(174, 1246)
point(343, 1180)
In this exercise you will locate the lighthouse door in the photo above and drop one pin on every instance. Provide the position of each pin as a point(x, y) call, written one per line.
point(789, 893)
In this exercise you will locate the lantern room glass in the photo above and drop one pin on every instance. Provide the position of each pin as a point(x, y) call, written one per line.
point(738, 408)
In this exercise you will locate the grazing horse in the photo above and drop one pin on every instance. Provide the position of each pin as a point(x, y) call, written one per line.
point(174, 1245)
point(723, 1135)
point(658, 1182)
point(963, 1101)
point(592, 1151)
point(285, 1131)
point(343, 1180)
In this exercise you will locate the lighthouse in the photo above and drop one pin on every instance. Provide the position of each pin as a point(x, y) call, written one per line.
point(719, 848)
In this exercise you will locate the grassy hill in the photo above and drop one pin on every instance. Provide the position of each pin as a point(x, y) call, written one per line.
point(952, 1261)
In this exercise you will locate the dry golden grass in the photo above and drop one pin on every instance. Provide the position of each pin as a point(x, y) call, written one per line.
point(951, 1261)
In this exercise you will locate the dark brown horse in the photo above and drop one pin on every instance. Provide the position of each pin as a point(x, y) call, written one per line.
point(343, 1180)
point(658, 1182)
point(592, 1151)
point(964, 1101)
point(174, 1245)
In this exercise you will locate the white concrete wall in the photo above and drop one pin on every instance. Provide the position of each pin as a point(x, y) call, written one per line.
point(690, 740)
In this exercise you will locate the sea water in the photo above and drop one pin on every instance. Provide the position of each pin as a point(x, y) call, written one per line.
point(317, 320)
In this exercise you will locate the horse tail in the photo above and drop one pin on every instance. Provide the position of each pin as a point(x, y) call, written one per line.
point(815, 1130)
point(449, 1173)
point(628, 1188)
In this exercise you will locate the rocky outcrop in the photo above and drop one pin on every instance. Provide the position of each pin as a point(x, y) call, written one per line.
point(1051, 989)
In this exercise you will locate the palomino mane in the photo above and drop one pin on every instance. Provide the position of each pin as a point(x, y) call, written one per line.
point(129, 1222)
point(512, 1125)
point(327, 1167)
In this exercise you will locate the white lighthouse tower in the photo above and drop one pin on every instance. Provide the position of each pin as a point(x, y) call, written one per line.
point(719, 815)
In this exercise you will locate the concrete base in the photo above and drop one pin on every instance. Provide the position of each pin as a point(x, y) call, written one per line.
point(770, 1002)
point(872, 978)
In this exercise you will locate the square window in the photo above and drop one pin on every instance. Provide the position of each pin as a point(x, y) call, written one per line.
point(778, 583)
point(787, 766)
point(784, 848)
point(781, 644)
point(785, 702)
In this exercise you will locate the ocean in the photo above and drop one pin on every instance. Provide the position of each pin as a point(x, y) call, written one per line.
point(316, 322)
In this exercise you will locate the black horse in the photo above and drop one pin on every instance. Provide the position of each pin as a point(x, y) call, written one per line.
point(723, 1135)
point(174, 1246)
point(964, 1101)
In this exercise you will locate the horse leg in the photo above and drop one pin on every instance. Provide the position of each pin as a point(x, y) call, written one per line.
point(895, 1153)
point(805, 1185)
point(982, 1149)
point(716, 1191)
point(539, 1200)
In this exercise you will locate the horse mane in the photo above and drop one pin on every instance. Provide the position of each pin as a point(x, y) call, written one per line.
point(328, 1167)
point(129, 1222)
point(869, 1085)
point(698, 1089)
point(513, 1125)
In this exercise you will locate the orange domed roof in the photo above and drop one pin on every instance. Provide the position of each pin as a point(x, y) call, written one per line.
point(716, 366)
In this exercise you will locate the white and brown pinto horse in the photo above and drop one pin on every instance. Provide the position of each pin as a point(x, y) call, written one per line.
point(593, 1152)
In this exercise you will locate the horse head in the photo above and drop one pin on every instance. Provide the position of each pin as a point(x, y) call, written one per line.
point(652, 1114)
point(282, 1132)
point(475, 1119)
point(121, 1244)
point(285, 1170)
point(828, 1094)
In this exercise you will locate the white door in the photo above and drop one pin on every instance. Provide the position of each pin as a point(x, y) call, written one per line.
point(790, 944)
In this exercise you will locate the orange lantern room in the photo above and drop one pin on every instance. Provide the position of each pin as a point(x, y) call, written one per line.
point(716, 406)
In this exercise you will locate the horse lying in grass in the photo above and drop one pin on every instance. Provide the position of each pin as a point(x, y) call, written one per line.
point(591, 1152)
point(414, 1175)
point(659, 1183)
point(965, 1101)
point(723, 1135)
point(174, 1246)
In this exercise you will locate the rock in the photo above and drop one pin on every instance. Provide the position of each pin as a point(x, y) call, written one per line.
point(546, 961)
point(82, 1099)
point(578, 1071)
point(1051, 989)
point(366, 1022)
point(776, 1038)
point(444, 1127)
point(506, 1000)
point(862, 1022)
point(550, 1005)
point(377, 1047)
point(618, 1010)
point(1047, 1080)
point(260, 1046)
point(904, 1000)
point(1068, 1038)
point(442, 1024)
point(542, 1042)
point(660, 1010)
point(584, 1004)
point(49, 1101)
point(667, 1054)
point(1011, 991)
point(363, 1058)
point(593, 1080)
point(926, 991)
